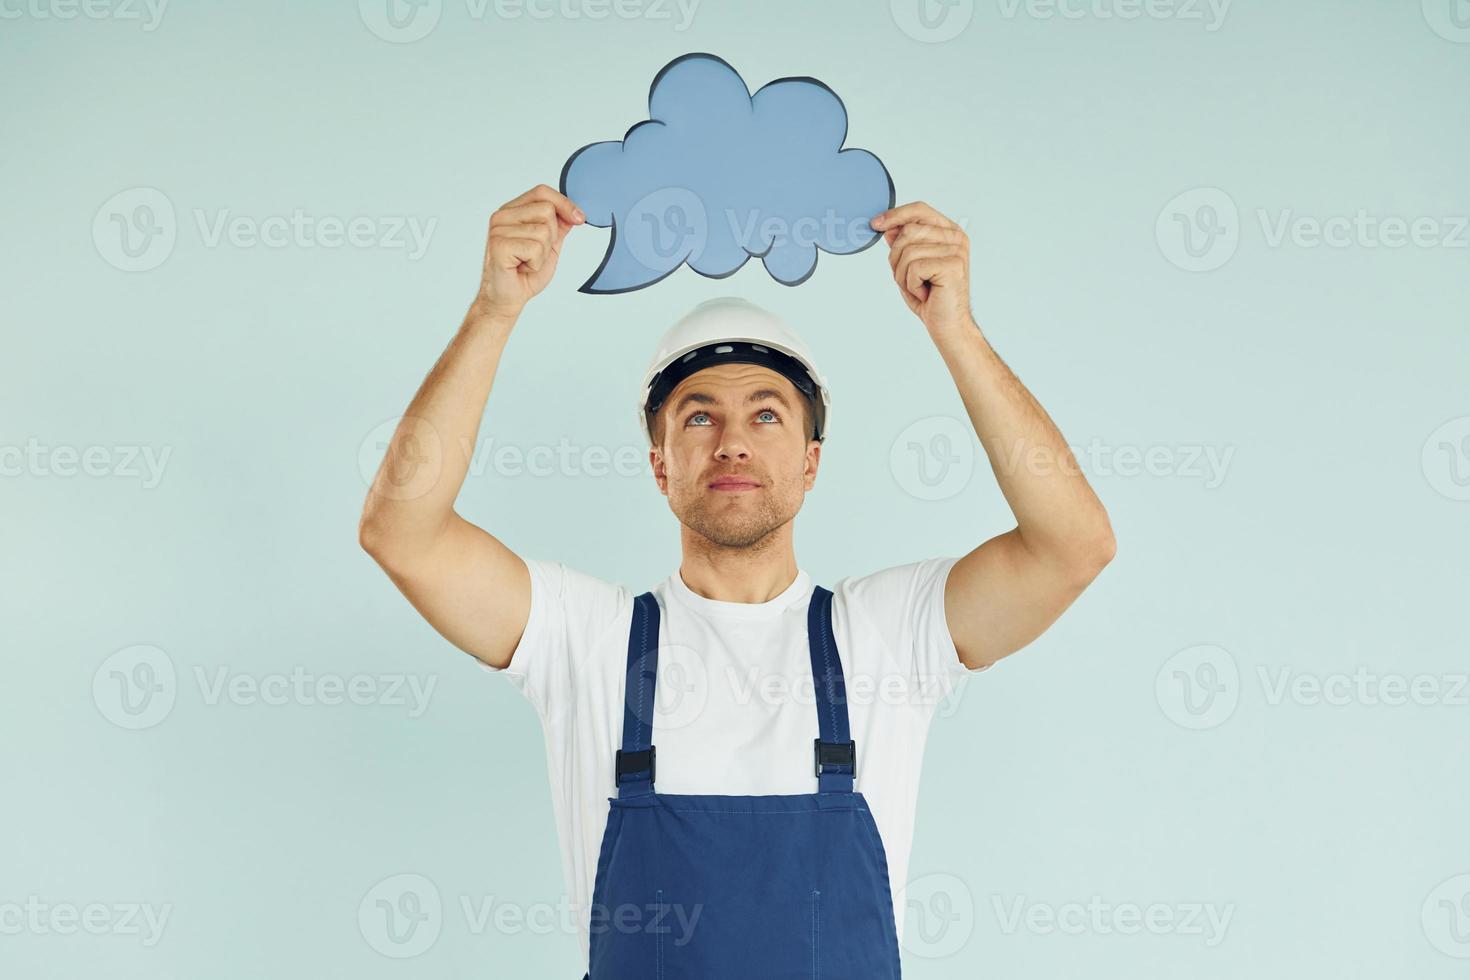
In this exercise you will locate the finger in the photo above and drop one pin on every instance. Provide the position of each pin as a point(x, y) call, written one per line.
point(568, 211)
point(905, 213)
point(910, 253)
point(537, 230)
point(925, 273)
point(532, 211)
point(514, 214)
point(510, 253)
point(916, 253)
point(915, 232)
point(910, 235)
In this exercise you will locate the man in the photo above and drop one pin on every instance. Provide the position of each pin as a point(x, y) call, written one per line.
point(765, 799)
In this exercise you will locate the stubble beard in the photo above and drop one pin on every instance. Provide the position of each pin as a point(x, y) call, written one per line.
point(740, 527)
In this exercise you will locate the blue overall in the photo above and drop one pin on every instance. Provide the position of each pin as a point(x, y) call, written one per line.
point(721, 887)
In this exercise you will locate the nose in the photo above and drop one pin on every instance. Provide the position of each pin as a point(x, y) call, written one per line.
point(731, 446)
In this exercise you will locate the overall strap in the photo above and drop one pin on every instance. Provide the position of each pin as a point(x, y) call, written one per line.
point(633, 764)
point(835, 750)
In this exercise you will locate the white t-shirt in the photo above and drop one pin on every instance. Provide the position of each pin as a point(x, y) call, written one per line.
point(734, 711)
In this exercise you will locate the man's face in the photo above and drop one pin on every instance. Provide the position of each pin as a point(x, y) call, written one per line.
point(733, 457)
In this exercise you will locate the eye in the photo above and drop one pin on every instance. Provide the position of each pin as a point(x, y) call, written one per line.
point(771, 412)
point(697, 415)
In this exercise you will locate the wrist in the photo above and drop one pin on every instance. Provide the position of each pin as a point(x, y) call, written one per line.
point(486, 315)
point(960, 328)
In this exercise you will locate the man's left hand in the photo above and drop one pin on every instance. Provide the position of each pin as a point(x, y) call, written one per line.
point(930, 258)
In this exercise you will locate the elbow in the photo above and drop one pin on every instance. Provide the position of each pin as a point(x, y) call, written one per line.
point(1084, 556)
point(393, 546)
point(369, 536)
point(1079, 557)
point(385, 551)
point(1092, 560)
point(373, 536)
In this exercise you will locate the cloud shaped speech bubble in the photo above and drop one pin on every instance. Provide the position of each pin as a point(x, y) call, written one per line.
point(716, 175)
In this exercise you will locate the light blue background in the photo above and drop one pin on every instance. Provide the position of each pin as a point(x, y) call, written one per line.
point(1333, 541)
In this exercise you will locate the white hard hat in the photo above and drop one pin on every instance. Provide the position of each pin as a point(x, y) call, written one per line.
point(729, 329)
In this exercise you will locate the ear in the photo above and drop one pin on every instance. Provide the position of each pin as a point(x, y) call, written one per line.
point(660, 473)
point(813, 461)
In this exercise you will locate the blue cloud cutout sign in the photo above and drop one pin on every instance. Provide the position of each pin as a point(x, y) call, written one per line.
point(716, 175)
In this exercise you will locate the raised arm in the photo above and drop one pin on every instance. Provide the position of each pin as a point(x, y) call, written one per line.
point(1008, 590)
point(470, 587)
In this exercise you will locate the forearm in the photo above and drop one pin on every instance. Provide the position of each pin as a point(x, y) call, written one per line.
point(413, 495)
point(1057, 513)
point(1005, 591)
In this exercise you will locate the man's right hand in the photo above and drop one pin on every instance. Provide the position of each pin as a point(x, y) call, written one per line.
point(523, 246)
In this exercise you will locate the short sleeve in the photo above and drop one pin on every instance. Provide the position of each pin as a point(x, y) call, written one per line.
point(905, 604)
point(568, 610)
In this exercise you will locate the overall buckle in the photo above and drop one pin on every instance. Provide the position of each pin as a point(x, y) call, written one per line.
point(634, 762)
point(842, 756)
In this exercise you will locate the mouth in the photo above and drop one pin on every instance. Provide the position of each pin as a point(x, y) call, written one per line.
point(734, 483)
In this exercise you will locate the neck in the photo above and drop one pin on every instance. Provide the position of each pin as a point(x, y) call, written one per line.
point(754, 574)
